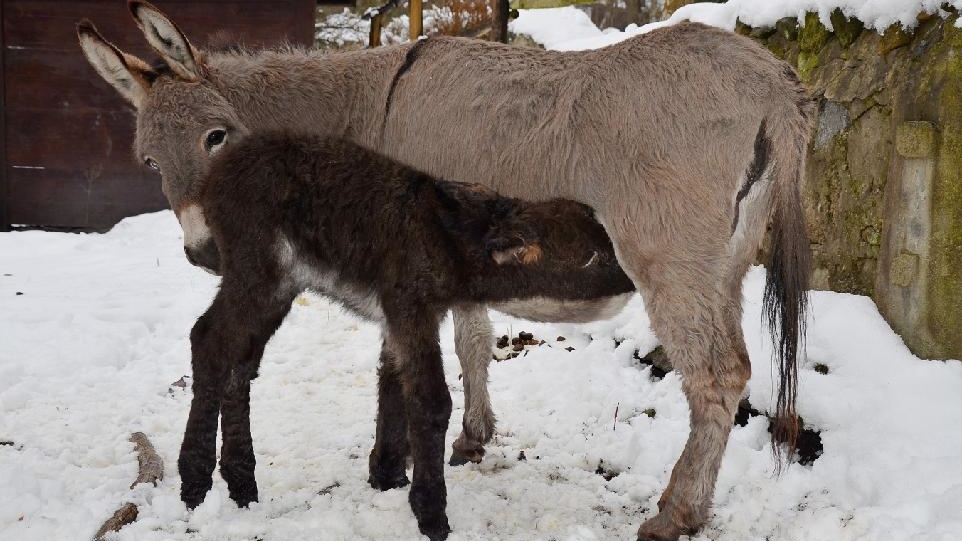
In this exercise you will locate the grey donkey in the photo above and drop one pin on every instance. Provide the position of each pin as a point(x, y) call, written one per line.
point(685, 141)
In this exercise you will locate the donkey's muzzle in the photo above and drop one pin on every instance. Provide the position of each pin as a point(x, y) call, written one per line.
point(205, 256)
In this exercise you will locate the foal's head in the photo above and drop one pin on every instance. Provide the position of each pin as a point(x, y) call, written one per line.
point(183, 121)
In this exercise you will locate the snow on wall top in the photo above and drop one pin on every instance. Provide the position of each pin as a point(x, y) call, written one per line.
point(569, 29)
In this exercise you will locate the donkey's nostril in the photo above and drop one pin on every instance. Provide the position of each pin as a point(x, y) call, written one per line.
point(190, 258)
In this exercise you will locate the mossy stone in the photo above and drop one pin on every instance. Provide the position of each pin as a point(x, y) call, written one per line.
point(915, 139)
point(787, 28)
point(894, 37)
point(846, 30)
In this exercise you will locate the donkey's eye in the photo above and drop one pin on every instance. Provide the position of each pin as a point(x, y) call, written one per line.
point(214, 140)
point(149, 162)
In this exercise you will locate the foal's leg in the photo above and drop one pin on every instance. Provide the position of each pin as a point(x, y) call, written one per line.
point(472, 343)
point(698, 319)
point(387, 462)
point(225, 343)
point(412, 337)
point(237, 450)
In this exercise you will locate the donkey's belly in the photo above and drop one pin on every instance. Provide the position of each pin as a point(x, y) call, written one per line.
point(550, 310)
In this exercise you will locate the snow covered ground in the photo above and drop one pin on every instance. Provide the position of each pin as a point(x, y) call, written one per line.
point(93, 330)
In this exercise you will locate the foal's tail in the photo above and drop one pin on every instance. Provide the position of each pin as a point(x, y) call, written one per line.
point(785, 301)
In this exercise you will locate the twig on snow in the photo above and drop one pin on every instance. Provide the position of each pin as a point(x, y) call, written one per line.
point(150, 470)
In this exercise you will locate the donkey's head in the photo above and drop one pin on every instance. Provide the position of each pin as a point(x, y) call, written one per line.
point(183, 121)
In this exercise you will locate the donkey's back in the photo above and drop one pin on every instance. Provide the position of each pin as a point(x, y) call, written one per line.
point(686, 98)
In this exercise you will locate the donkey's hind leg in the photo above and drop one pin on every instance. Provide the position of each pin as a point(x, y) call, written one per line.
point(412, 338)
point(386, 465)
point(697, 316)
point(472, 343)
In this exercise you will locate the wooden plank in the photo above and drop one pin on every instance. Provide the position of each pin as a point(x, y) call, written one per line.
point(4, 192)
point(89, 140)
point(67, 160)
point(34, 24)
point(72, 198)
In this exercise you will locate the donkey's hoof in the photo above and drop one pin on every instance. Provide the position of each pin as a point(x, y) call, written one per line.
point(661, 528)
point(428, 504)
point(192, 497)
point(465, 449)
point(387, 482)
point(436, 534)
point(244, 499)
point(460, 457)
point(193, 494)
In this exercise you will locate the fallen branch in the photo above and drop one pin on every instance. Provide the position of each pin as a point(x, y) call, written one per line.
point(150, 470)
point(122, 517)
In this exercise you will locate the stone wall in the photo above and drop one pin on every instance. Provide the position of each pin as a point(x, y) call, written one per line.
point(884, 175)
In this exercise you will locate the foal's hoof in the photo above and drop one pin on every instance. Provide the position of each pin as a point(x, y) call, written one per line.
point(428, 504)
point(436, 534)
point(193, 494)
point(387, 482)
point(243, 499)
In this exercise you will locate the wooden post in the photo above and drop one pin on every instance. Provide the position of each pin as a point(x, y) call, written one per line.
point(374, 39)
point(415, 16)
point(499, 21)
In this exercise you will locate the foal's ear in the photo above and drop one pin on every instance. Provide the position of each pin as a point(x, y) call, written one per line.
point(164, 36)
point(127, 73)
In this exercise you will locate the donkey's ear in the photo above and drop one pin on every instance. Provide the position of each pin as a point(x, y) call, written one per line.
point(164, 36)
point(127, 73)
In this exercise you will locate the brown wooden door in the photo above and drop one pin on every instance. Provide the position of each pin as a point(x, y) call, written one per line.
point(66, 134)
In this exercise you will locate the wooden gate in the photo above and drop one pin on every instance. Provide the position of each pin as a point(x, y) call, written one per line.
point(65, 134)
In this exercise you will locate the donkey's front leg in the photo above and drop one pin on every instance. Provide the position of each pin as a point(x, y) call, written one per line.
point(227, 343)
point(412, 337)
point(237, 450)
point(472, 343)
point(198, 450)
point(388, 459)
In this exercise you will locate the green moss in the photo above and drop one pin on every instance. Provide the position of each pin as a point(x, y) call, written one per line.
point(945, 282)
point(846, 30)
point(813, 36)
point(915, 139)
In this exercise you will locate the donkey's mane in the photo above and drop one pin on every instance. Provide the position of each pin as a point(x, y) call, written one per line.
point(222, 44)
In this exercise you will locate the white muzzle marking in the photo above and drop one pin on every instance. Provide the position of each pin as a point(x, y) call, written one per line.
point(196, 232)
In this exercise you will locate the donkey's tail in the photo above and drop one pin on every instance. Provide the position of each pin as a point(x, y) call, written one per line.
point(785, 302)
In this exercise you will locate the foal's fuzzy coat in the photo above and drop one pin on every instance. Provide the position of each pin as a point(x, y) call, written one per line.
point(393, 245)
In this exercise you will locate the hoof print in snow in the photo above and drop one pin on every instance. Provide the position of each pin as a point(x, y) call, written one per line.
point(808, 445)
point(607, 473)
point(657, 359)
point(19, 293)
